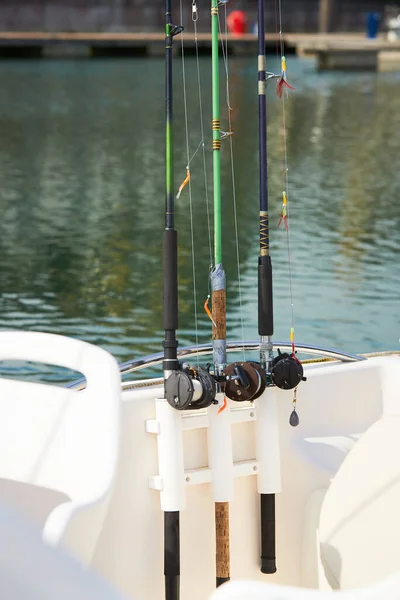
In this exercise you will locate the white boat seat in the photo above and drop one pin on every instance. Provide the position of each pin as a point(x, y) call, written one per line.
point(352, 530)
point(359, 525)
point(59, 447)
point(34, 501)
point(33, 570)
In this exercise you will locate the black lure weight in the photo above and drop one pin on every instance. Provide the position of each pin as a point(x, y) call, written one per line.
point(294, 418)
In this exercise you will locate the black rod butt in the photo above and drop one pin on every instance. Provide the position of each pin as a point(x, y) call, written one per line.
point(171, 555)
point(268, 559)
point(172, 587)
point(221, 580)
point(268, 566)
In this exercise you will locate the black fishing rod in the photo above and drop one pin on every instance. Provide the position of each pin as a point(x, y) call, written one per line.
point(170, 300)
point(265, 300)
point(284, 371)
point(185, 388)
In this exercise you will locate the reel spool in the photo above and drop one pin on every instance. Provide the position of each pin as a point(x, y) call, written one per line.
point(244, 381)
point(182, 393)
point(287, 371)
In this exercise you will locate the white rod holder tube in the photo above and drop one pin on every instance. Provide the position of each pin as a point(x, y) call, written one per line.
point(170, 457)
point(220, 452)
point(267, 443)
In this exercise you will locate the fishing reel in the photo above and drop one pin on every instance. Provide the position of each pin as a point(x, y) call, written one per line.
point(244, 381)
point(286, 371)
point(190, 388)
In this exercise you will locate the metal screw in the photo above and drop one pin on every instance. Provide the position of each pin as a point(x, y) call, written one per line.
point(187, 479)
point(254, 468)
point(251, 414)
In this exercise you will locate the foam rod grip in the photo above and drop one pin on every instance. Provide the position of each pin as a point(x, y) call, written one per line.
point(265, 306)
point(222, 542)
point(170, 276)
point(268, 558)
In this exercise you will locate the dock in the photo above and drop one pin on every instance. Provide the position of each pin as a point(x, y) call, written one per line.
point(141, 43)
point(332, 51)
point(352, 53)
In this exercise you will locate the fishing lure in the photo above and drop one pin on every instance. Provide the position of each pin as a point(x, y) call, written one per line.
point(223, 406)
point(184, 183)
point(282, 83)
point(283, 218)
point(208, 312)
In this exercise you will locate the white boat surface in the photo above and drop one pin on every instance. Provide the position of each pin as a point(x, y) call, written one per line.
point(338, 472)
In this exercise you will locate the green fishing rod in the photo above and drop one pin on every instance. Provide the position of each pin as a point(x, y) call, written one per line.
point(218, 287)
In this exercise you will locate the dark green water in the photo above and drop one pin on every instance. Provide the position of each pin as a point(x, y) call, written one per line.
point(82, 200)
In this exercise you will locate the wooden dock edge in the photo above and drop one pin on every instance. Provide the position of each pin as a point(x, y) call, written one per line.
point(332, 51)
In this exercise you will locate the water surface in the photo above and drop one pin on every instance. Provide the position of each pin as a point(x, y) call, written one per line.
point(82, 201)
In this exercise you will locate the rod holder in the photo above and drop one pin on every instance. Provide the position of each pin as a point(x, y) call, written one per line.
point(267, 443)
point(170, 457)
point(220, 452)
point(269, 473)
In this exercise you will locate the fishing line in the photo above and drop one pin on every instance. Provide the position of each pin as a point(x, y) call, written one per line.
point(229, 134)
point(195, 152)
point(195, 18)
point(189, 182)
point(276, 28)
point(285, 168)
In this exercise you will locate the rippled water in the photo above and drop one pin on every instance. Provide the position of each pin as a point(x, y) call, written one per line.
point(82, 200)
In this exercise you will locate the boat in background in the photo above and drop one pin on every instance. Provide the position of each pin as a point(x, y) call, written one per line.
point(265, 469)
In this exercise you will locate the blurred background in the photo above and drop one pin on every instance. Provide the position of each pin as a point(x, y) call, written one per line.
point(308, 16)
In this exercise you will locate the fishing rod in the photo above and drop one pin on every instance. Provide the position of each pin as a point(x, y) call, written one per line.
point(265, 297)
point(170, 305)
point(284, 371)
point(218, 288)
point(244, 380)
point(184, 388)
